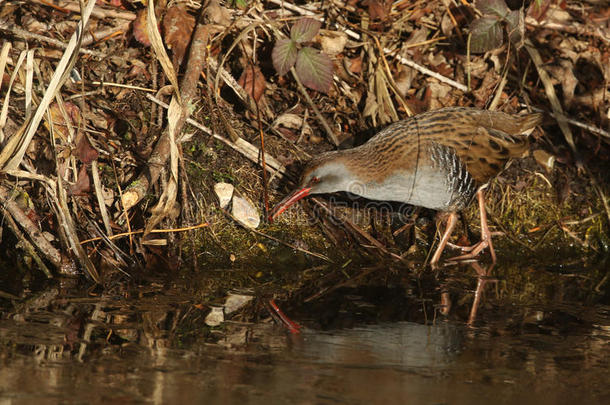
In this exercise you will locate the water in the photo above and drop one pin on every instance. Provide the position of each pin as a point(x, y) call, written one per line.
point(364, 344)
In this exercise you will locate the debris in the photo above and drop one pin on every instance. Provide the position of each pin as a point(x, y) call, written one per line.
point(224, 192)
point(245, 213)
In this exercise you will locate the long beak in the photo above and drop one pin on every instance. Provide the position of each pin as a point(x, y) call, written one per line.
point(289, 200)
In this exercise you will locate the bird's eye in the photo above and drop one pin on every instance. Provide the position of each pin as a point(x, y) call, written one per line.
point(314, 180)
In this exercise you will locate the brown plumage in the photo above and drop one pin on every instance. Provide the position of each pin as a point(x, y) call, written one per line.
point(436, 160)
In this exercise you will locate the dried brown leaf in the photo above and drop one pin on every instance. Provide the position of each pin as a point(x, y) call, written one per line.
point(178, 26)
point(333, 42)
point(355, 65)
point(60, 126)
point(253, 81)
point(83, 182)
point(139, 28)
point(85, 152)
point(378, 9)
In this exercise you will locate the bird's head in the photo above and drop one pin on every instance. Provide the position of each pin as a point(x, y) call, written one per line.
point(325, 174)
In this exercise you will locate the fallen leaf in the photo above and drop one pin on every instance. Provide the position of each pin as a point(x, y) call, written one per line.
point(60, 126)
point(218, 14)
point(253, 81)
point(355, 65)
point(178, 26)
point(332, 42)
point(139, 29)
point(85, 152)
point(83, 182)
point(378, 9)
point(292, 125)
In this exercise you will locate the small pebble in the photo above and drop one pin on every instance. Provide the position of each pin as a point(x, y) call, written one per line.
point(245, 213)
point(215, 317)
point(224, 191)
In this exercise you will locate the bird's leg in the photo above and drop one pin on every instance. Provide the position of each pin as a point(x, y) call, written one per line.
point(482, 282)
point(451, 221)
point(485, 235)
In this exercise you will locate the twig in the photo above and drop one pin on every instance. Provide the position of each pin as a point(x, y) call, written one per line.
point(318, 255)
point(105, 34)
point(357, 37)
point(98, 12)
point(131, 233)
point(325, 125)
point(428, 72)
point(242, 146)
point(550, 92)
point(573, 28)
point(186, 94)
point(18, 32)
point(576, 123)
point(11, 211)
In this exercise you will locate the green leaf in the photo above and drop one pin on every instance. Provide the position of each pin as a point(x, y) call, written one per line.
point(486, 34)
point(493, 7)
point(284, 55)
point(516, 27)
point(304, 30)
point(240, 4)
point(315, 69)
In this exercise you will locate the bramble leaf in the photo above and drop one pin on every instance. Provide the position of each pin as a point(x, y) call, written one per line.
point(315, 69)
point(516, 27)
point(486, 34)
point(493, 7)
point(304, 30)
point(284, 55)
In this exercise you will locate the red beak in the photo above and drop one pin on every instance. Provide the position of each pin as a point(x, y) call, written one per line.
point(289, 200)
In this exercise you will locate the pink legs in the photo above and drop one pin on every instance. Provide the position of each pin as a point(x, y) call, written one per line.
point(451, 221)
point(473, 250)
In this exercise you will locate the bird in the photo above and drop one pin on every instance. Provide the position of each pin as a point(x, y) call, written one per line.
point(439, 160)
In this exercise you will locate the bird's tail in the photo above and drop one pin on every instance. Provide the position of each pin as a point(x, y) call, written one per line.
point(525, 124)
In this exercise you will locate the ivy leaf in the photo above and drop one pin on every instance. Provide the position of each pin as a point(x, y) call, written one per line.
point(304, 30)
point(493, 7)
point(284, 55)
point(486, 34)
point(315, 69)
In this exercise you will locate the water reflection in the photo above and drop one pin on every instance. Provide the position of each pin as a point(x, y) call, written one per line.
point(455, 337)
point(381, 364)
point(406, 346)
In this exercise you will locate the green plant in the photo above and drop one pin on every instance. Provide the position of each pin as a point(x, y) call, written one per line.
point(240, 4)
point(313, 68)
point(488, 31)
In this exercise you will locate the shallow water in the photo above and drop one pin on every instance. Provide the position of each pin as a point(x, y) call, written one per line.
point(59, 347)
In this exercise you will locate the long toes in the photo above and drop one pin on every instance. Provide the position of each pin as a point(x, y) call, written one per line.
point(462, 248)
point(474, 251)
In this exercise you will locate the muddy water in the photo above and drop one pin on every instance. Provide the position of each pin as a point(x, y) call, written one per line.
point(371, 343)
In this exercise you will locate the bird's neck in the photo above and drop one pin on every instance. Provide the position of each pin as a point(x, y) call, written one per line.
point(338, 171)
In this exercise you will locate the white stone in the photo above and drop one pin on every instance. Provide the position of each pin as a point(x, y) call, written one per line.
point(235, 302)
point(215, 317)
point(224, 191)
point(245, 213)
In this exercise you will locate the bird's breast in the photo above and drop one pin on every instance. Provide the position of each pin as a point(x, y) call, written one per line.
point(437, 179)
point(427, 187)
